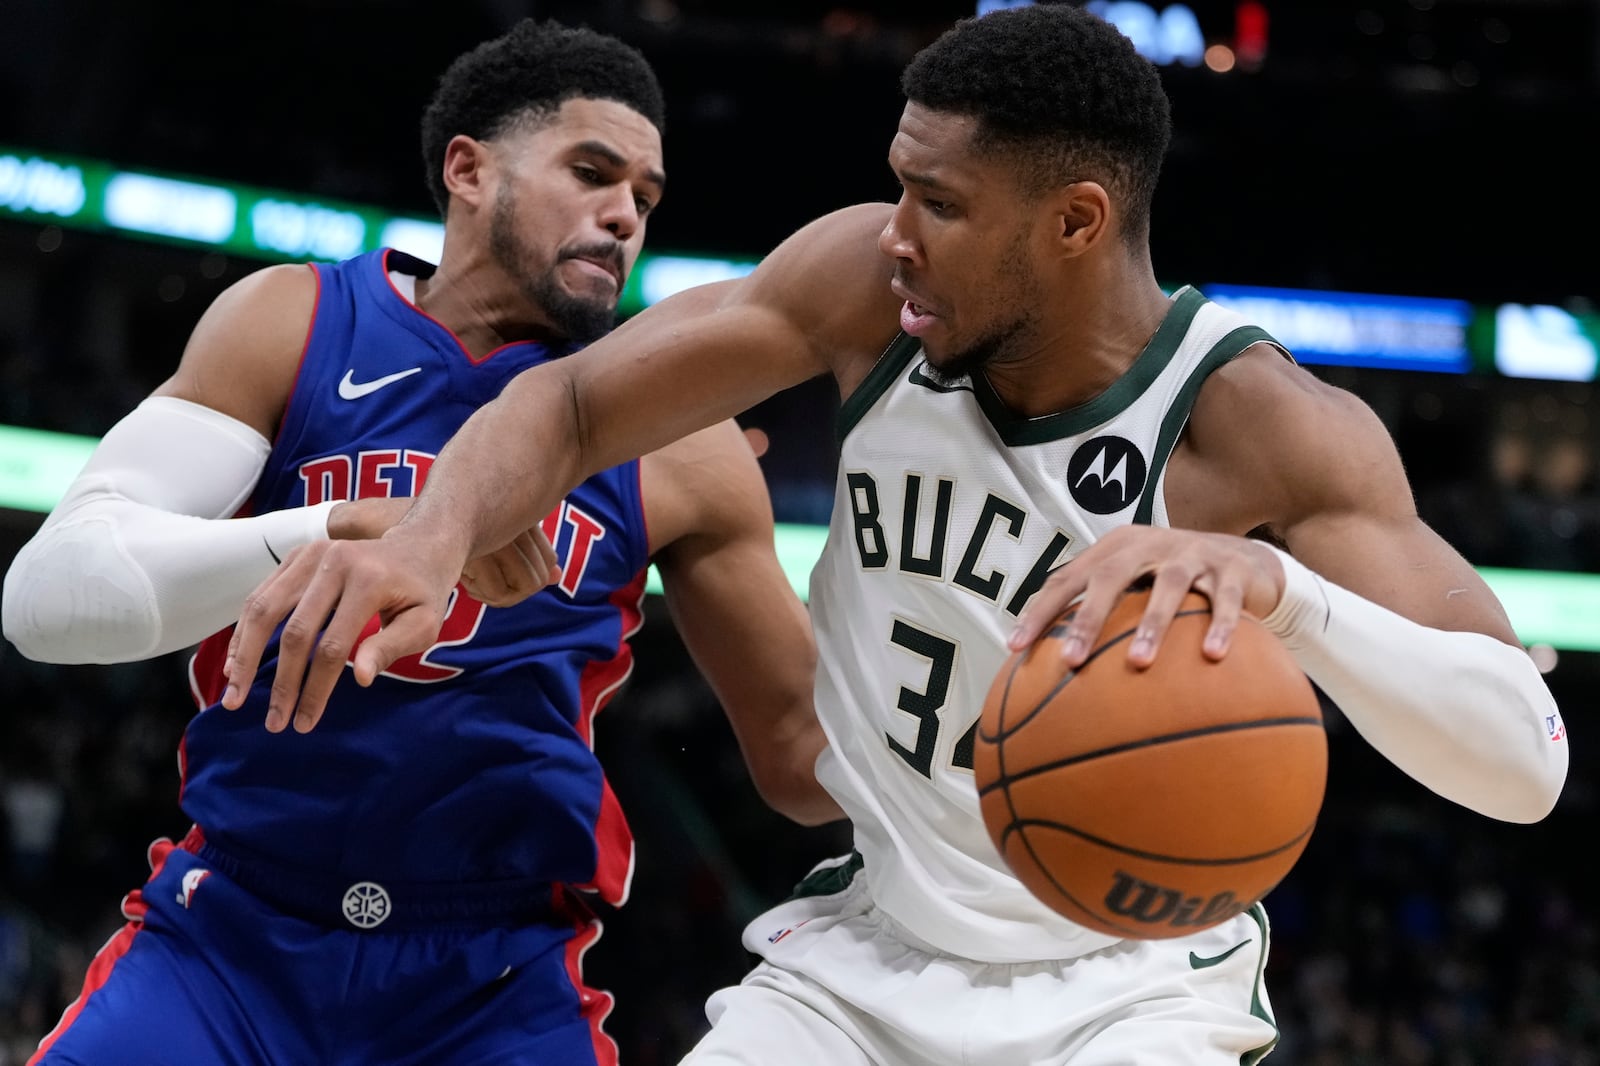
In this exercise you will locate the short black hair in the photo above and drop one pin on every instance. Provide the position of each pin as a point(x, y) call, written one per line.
point(526, 73)
point(1060, 89)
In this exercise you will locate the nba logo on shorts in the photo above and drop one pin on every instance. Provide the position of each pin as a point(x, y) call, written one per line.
point(1555, 727)
point(785, 931)
point(191, 881)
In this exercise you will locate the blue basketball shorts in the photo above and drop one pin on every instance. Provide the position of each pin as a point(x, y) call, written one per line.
point(205, 971)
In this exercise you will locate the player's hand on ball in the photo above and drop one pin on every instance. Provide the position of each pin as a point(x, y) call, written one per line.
point(1235, 573)
point(324, 594)
point(514, 572)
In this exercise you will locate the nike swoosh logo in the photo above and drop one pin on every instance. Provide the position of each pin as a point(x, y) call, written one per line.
point(917, 377)
point(1203, 964)
point(350, 389)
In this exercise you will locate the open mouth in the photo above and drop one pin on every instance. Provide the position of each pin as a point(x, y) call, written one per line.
point(915, 316)
point(916, 319)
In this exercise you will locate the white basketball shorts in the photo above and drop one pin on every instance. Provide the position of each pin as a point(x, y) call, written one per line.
point(841, 984)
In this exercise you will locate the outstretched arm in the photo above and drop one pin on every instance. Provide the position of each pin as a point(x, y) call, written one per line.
point(688, 362)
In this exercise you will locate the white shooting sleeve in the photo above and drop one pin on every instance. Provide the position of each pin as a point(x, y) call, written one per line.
point(1465, 714)
point(142, 556)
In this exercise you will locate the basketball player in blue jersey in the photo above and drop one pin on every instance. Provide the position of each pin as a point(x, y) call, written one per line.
point(407, 884)
point(1028, 419)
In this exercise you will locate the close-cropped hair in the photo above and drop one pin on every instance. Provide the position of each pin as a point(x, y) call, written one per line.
point(1062, 92)
point(525, 75)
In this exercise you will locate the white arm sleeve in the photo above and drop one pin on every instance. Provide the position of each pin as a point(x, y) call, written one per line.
point(1465, 714)
point(141, 556)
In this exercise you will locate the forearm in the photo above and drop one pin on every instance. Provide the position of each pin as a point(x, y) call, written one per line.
point(786, 775)
point(813, 805)
point(503, 471)
point(141, 556)
point(1463, 713)
point(697, 358)
point(118, 581)
point(768, 700)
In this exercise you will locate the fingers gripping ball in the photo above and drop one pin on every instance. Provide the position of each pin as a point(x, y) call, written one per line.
point(1152, 803)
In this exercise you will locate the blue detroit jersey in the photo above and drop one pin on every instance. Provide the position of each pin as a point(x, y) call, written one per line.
point(472, 761)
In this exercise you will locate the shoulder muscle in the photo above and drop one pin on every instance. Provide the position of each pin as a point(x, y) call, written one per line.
point(242, 355)
point(832, 284)
point(1312, 448)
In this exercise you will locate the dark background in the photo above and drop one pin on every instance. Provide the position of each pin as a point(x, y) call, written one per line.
point(1344, 161)
point(1431, 147)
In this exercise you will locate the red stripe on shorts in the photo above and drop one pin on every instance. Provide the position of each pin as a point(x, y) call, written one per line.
point(133, 908)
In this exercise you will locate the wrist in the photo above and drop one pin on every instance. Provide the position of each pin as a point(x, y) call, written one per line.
point(1302, 602)
point(288, 529)
point(446, 545)
point(364, 519)
point(344, 521)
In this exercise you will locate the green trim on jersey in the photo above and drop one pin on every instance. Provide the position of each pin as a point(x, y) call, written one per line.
point(1015, 430)
point(829, 880)
point(1232, 345)
point(1257, 1007)
point(877, 382)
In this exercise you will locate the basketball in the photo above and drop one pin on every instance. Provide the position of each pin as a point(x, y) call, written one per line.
point(1158, 802)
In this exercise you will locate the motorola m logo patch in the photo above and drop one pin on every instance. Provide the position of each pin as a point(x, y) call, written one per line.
point(1106, 474)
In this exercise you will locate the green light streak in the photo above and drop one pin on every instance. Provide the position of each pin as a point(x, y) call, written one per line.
point(1545, 606)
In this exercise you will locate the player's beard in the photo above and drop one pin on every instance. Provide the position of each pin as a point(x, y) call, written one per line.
point(1014, 277)
point(576, 318)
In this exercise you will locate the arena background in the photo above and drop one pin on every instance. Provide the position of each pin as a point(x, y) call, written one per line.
point(1418, 174)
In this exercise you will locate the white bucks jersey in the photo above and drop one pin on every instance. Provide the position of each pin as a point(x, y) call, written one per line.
point(949, 513)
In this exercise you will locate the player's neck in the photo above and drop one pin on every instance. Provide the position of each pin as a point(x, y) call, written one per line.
point(1080, 350)
point(480, 308)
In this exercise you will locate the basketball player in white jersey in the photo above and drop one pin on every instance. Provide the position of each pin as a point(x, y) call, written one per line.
point(1028, 418)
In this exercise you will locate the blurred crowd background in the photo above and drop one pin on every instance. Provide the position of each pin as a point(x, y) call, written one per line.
point(1435, 149)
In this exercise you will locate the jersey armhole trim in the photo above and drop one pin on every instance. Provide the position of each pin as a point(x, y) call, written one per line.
point(1233, 344)
point(893, 360)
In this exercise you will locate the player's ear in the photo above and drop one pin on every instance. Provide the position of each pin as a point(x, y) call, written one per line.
point(466, 170)
point(1083, 212)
